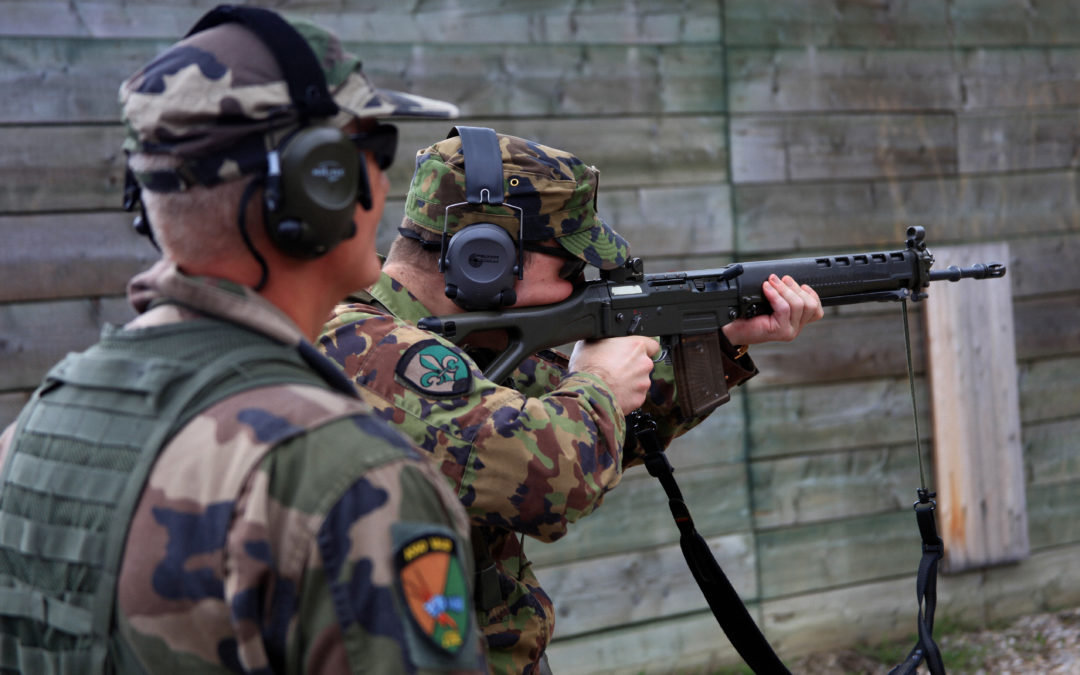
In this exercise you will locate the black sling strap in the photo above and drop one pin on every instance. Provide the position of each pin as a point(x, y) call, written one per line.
point(724, 601)
point(925, 592)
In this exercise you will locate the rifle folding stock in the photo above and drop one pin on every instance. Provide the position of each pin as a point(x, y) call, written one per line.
point(686, 310)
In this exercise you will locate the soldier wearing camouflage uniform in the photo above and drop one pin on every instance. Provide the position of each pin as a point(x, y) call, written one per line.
point(530, 455)
point(201, 491)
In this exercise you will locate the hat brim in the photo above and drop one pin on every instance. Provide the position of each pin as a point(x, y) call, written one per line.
point(390, 103)
point(599, 245)
point(359, 98)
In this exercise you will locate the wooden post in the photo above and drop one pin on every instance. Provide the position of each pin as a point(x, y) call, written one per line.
point(978, 457)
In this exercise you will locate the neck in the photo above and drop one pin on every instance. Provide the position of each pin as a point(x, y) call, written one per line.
point(297, 288)
point(426, 286)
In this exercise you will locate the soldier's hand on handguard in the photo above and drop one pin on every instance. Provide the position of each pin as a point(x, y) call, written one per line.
point(793, 306)
point(623, 362)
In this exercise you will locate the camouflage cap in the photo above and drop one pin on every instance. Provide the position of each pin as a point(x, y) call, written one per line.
point(220, 94)
point(555, 190)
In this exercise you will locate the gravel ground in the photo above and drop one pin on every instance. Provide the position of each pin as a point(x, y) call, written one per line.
point(1040, 644)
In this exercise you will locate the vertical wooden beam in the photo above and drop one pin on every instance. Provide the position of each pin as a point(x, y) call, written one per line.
point(978, 457)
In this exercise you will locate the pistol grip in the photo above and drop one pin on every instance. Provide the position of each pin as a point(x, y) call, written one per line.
point(699, 374)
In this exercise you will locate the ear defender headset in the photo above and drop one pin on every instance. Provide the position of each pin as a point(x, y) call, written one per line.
point(481, 261)
point(315, 176)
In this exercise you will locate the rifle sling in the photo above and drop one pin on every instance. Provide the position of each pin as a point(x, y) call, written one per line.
point(926, 594)
point(724, 601)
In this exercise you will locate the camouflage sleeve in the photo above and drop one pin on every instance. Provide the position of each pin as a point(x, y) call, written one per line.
point(530, 464)
point(341, 550)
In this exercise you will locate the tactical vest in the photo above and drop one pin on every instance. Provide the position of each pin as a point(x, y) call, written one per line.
point(83, 448)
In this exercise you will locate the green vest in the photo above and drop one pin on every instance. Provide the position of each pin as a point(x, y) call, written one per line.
point(83, 448)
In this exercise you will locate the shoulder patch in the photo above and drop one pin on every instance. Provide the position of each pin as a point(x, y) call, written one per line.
point(432, 368)
point(433, 587)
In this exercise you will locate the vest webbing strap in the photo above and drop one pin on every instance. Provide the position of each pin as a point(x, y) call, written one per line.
point(32, 604)
point(18, 657)
point(84, 483)
point(54, 542)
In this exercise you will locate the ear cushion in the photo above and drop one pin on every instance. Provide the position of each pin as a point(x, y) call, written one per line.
point(310, 202)
point(480, 267)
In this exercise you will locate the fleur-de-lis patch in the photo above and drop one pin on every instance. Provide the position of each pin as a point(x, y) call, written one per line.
point(432, 368)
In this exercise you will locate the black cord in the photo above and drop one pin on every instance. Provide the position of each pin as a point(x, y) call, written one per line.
point(242, 223)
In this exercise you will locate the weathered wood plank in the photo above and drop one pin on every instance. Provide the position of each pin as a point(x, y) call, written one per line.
point(77, 79)
point(1040, 266)
point(1048, 327)
point(635, 515)
point(860, 550)
point(1020, 78)
point(799, 81)
point(914, 23)
point(1052, 509)
point(1049, 390)
point(1029, 140)
point(680, 644)
point(81, 167)
point(572, 80)
point(34, 336)
point(58, 169)
point(870, 343)
point(842, 217)
point(639, 586)
point(971, 364)
point(802, 81)
point(1007, 23)
point(881, 611)
point(812, 489)
point(823, 418)
point(483, 22)
point(69, 255)
point(868, 614)
point(72, 80)
point(843, 348)
point(1050, 455)
point(840, 146)
point(836, 23)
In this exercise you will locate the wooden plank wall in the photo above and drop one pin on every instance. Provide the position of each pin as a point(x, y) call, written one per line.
point(723, 129)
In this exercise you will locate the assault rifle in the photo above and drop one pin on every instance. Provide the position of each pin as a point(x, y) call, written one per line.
point(686, 309)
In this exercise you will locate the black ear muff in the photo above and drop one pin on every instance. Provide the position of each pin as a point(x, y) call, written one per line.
point(481, 264)
point(313, 178)
point(310, 191)
point(481, 261)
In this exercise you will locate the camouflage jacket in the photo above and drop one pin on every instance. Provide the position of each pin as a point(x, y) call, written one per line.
point(285, 529)
point(525, 459)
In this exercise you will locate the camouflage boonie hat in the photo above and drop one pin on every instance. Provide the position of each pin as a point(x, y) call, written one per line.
point(555, 190)
point(219, 100)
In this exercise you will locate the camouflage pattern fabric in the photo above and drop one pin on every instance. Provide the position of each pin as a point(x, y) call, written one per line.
point(219, 100)
point(555, 189)
point(287, 530)
point(529, 458)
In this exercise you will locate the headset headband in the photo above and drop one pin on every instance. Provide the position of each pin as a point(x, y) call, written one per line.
point(483, 184)
point(303, 74)
point(483, 164)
